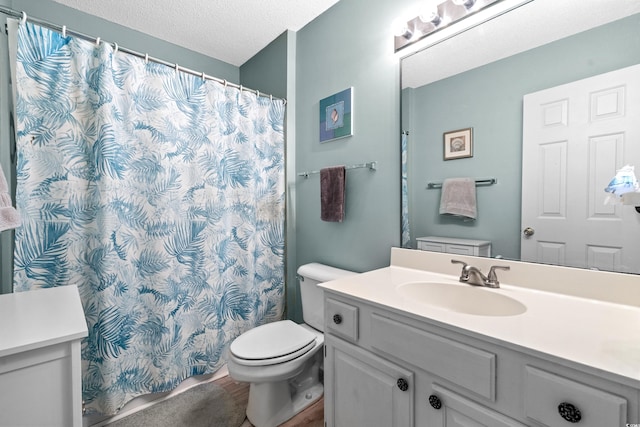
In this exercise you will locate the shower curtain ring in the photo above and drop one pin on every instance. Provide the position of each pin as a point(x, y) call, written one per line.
point(203, 77)
point(115, 48)
point(257, 93)
point(146, 58)
point(97, 41)
point(64, 31)
point(24, 17)
point(177, 68)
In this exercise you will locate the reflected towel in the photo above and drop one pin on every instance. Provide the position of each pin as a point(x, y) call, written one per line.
point(459, 197)
point(9, 217)
point(332, 185)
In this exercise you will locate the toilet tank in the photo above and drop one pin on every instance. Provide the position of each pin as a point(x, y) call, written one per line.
point(312, 296)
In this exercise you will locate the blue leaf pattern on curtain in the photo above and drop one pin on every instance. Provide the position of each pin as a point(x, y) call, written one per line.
point(160, 195)
point(406, 231)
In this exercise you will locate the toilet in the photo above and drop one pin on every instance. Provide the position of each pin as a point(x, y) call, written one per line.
point(283, 360)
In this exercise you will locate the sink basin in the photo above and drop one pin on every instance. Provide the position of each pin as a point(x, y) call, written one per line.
point(462, 298)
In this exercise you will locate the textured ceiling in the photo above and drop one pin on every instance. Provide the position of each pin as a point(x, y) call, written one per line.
point(229, 30)
point(534, 24)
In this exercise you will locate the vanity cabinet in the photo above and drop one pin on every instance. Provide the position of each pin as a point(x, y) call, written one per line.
point(388, 368)
point(40, 367)
point(455, 246)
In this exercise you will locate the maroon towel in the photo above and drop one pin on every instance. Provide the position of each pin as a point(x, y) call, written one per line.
point(332, 185)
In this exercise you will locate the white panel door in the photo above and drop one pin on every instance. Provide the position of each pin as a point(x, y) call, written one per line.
point(575, 137)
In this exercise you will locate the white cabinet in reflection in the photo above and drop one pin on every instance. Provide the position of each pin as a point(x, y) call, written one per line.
point(455, 246)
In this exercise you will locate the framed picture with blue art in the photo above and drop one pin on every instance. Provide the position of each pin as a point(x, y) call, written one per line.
point(336, 116)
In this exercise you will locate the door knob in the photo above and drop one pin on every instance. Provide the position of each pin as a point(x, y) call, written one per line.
point(528, 231)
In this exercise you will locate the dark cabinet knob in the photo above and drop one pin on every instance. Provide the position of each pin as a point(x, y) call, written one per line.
point(569, 412)
point(402, 384)
point(337, 319)
point(435, 402)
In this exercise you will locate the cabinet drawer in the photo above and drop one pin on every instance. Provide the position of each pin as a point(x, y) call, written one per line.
point(461, 249)
point(341, 319)
point(544, 392)
point(430, 246)
point(461, 364)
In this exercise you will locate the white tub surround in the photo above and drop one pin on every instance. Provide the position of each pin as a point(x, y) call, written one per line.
point(573, 352)
point(40, 368)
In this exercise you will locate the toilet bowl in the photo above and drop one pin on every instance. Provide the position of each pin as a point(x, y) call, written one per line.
point(282, 360)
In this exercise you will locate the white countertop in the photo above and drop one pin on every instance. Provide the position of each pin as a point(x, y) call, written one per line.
point(39, 318)
point(594, 333)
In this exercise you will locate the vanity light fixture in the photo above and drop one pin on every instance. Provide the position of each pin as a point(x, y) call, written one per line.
point(434, 18)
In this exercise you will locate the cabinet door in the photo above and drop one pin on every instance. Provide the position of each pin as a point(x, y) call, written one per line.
point(452, 410)
point(47, 377)
point(363, 390)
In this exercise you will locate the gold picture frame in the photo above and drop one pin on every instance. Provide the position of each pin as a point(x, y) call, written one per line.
point(458, 144)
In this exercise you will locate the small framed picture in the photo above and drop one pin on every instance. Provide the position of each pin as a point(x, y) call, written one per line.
point(458, 144)
point(336, 116)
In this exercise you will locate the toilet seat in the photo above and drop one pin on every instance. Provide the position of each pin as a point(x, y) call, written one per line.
point(273, 343)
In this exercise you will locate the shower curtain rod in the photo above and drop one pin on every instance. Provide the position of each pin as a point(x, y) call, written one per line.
point(65, 31)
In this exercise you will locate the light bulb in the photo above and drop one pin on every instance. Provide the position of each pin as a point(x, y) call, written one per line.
point(430, 14)
point(401, 29)
point(466, 3)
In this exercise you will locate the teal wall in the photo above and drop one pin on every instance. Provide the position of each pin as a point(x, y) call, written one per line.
point(268, 69)
point(489, 99)
point(350, 45)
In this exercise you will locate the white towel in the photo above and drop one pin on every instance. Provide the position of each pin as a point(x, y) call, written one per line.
point(9, 217)
point(459, 197)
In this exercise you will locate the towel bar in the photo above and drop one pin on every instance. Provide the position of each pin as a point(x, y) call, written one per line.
point(488, 181)
point(370, 165)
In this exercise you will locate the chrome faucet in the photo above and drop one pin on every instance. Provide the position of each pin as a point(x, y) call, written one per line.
point(473, 276)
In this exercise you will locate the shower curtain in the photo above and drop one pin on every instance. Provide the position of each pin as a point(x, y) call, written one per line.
point(160, 195)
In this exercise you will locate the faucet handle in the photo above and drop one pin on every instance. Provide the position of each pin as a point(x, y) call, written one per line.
point(455, 261)
point(492, 278)
point(464, 274)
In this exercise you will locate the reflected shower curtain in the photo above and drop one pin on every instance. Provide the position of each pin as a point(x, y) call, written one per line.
point(160, 195)
point(406, 231)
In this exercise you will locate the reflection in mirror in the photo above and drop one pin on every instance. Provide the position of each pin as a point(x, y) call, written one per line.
point(479, 80)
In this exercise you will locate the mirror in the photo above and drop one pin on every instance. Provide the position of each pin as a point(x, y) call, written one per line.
point(477, 79)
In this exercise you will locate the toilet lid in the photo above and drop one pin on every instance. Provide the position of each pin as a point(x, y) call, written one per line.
point(281, 341)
